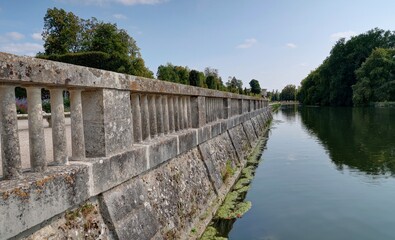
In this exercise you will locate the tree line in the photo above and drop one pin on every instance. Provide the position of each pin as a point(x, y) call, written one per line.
point(93, 43)
point(357, 72)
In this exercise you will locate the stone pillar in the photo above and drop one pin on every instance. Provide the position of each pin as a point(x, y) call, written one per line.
point(176, 114)
point(136, 114)
point(227, 108)
point(36, 130)
point(152, 116)
point(159, 114)
point(198, 109)
point(185, 105)
point(240, 106)
point(107, 122)
point(170, 101)
point(181, 112)
point(189, 112)
point(59, 141)
point(145, 123)
point(77, 126)
point(165, 108)
point(10, 148)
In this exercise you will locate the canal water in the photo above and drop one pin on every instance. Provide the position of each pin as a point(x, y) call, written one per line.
point(327, 173)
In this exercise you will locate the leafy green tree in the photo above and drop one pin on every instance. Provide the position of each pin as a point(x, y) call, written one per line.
point(213, 80)
point(331, 83)
point(171, 73)
point(288, 93)
point(60, 33)
point(255, 87)
point(196, 78)
point(91, 43)
point(234, 85)
point(376, 78)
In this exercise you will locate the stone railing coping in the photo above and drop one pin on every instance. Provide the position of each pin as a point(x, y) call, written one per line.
point(25, 71)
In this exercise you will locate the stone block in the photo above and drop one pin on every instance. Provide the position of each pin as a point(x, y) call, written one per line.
point(215, 129)
point(240, 141)
point(257, 126)
point(224, 125)
point(95, 143)
point(162, 149)
point(179, 191)
point(250, 132)
point(216, 153)
point(40, 196)
point(230, 123)
point(128, 210)
point(111, 171)
point(187, 140)
point(204, 134)
point(119, 136)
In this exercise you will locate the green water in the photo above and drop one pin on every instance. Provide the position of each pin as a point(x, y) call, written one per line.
point(327, 173)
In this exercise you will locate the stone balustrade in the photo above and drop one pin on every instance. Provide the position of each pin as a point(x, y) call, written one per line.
point(122, 127)
point(109, 111)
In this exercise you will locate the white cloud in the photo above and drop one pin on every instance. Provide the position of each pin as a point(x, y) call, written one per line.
point(290, 45)
point(119, 16)
point(15, 36)
point(248, 43)
point(29, 49)
point(346, 35)
point(37, 36)
point(303, 65)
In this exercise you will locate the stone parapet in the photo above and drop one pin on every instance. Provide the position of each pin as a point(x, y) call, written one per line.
point(124, 131)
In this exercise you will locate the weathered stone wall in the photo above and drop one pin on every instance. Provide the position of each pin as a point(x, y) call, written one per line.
point(150, 159)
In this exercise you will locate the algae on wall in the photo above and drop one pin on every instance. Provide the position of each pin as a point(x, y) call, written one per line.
point(234, 205)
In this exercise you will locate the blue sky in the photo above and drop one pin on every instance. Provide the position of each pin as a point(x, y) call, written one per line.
point(276, 42)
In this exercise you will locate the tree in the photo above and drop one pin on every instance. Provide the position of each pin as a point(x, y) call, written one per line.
point(196, 78)
point(234, 85)
point(288, 93)
point(331, 83)
point(213, 80)
point(60, 33)
point(255, 87)
point(171, 73)
point(376, 78)
point(91, 43)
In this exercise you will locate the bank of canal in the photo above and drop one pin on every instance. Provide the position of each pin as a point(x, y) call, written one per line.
point(327, 173)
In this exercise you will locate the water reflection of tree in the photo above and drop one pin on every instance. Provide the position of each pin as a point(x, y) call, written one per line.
point(361, 138)
point(289, 112)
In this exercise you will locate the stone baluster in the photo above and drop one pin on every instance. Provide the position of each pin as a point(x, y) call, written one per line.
point(185, 107)
point(59, 141)
point(181, 112)
point(227, 108)
point(145, 123)
point(10, 152)
point(136, 114)
point(189, 112)
point(159, 115)
point(165, 107)
point(152, 116)
point(77, 125)
point(170, 101)
point(176, 114)
point(36, 130)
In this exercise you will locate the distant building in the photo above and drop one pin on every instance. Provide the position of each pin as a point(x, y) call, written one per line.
point(264, 93)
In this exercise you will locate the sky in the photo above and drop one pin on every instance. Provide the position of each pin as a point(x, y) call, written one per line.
point(277, 42)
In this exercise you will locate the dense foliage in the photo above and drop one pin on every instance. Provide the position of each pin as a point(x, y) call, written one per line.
point(255, 87)
point(333, 82)
point(91, 43)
